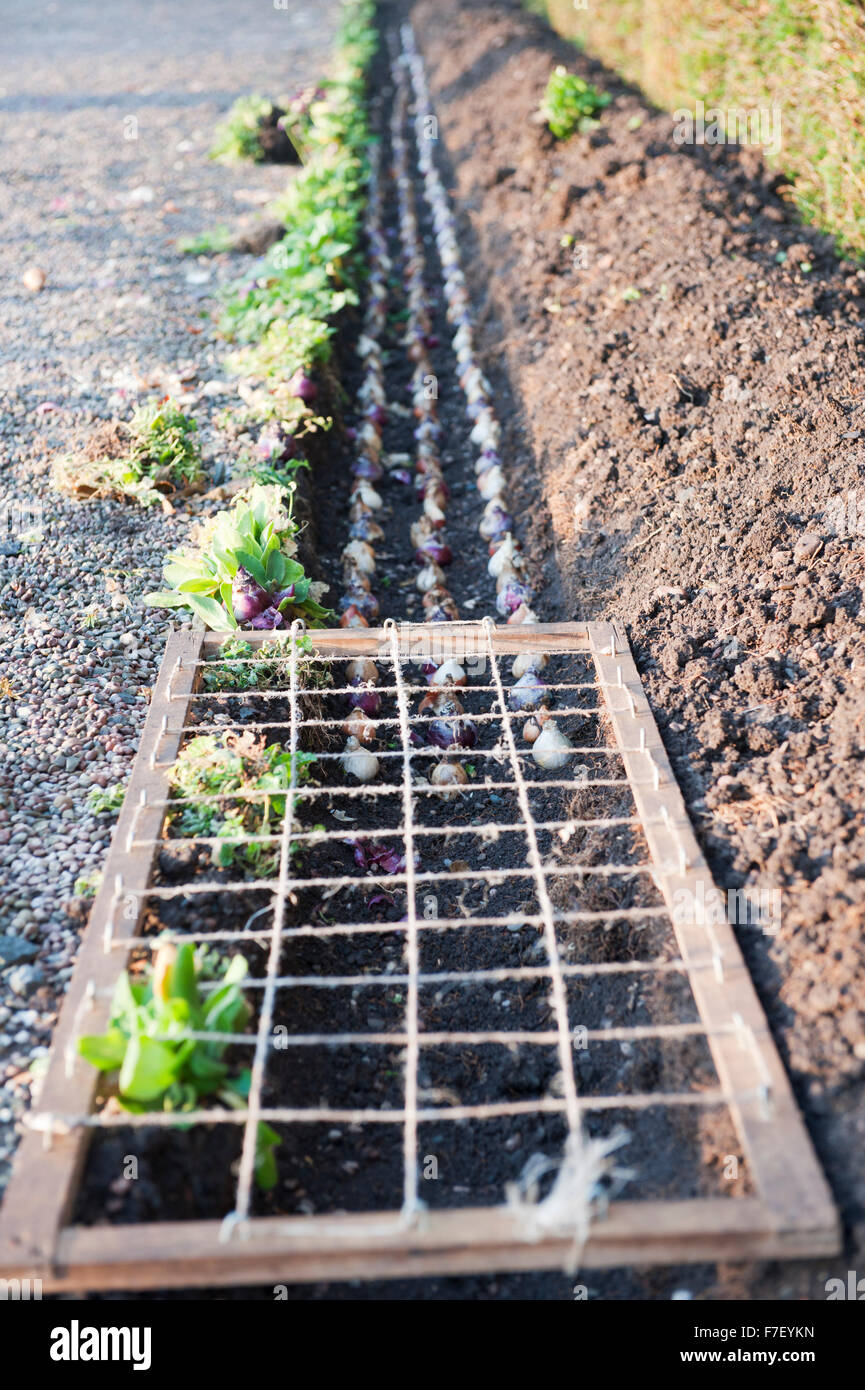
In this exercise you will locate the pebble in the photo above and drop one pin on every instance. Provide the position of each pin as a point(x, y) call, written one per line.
point(14, 950)
point(34, 279)
point(806, 546)
point(24, 979)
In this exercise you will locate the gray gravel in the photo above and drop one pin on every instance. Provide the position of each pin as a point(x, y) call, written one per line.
point(107, 114)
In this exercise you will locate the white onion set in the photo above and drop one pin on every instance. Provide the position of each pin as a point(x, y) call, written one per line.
point(506, 566)
point(431, 550)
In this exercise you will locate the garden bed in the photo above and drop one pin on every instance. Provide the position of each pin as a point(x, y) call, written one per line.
point(417, 1023)
point(357, 1091)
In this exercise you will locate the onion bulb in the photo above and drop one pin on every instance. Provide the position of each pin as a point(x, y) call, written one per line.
point(511, 596)
point(366, 495)
point(496, 522)
point(440, 702)
point(524, 614)
point(362, 670)
point(449, 673)
point(429, 577)
point(528, 661)
point(366, 469)
point(449, 777)
point(506, 553)
point(359, 726)
point(421, 530)
point(528, 691)
point(491, 483)
point(362, 697)
point(434, 550)
point(360, 555)
point(358, 762)
point(551, 748)
point(353, 618)
point(365, 529)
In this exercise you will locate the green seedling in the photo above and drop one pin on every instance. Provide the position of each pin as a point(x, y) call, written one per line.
point(229, 767)
point(234, 668)
point(154, 1041)
point(162, 452)
point(101, 800)
point(570, 103)
point(208, 243)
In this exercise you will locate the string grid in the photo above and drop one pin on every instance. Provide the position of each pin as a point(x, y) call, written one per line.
point(565, 854)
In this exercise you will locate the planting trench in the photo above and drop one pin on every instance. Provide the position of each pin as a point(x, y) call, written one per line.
point(483, 1157)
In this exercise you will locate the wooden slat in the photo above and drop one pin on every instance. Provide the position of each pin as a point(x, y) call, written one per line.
point(777, 1145)
point(417, 638)
point(376, 1246)
point(41, 1190)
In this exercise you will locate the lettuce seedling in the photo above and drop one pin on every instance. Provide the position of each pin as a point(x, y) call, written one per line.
point(230, 766)
point(152, 1045)
point(570, 103)
point(243, 572)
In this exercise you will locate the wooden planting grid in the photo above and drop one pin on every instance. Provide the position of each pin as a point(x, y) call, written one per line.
point(784, 1207)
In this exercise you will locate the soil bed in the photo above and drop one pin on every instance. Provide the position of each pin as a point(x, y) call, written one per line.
point(685, 366)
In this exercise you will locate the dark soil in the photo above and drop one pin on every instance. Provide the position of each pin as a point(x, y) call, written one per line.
point(690, 392)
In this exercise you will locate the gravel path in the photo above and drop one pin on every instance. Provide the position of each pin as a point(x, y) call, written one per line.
point(107, 117)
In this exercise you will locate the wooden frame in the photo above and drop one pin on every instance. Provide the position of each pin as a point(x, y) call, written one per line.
point(791, 1215)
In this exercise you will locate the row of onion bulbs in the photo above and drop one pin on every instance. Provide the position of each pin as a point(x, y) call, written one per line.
point(432, 552)
point(441, 715)
point(358, 603)
point(441, 719)
point(550, 747)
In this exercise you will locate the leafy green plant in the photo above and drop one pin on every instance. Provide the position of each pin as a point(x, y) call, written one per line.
point(243, 570)
point(230, 766)
point(315, 269)
point(263, 673)
point(151, 1041)
point(570, 103)
point(208, 243)
point(238, 136)
point(103, 799)
point(285, 346)
point(165, 442)
point(87, 886)
point(157, 451)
